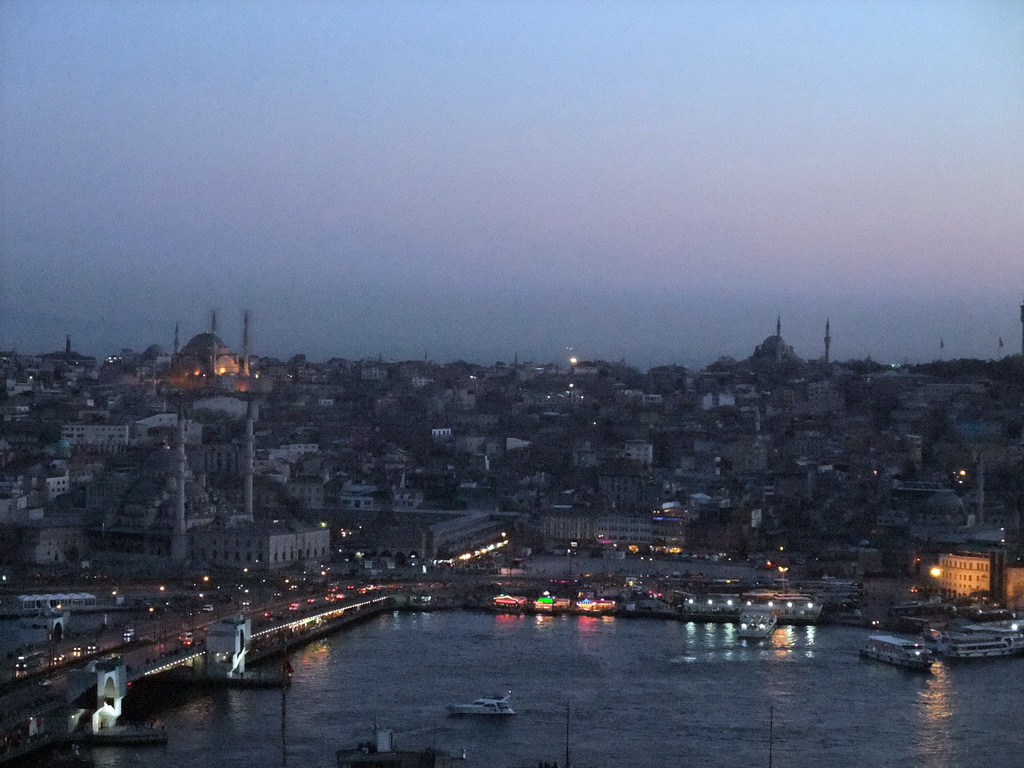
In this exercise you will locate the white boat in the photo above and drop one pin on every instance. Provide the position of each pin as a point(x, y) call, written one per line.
point(487, 705)
point(978, 641)
point(899, 651)
point(756, 624)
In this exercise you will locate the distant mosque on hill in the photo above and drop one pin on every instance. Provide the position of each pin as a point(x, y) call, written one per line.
point(206, 362)
point(774, 353)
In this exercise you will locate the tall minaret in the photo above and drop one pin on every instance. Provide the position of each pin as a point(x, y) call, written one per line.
point(1022, 330)
point(213, 344)
point(67, 348)
point(179, 539)
point(245, 343)
point(828, 341)
point(177, 341)
point(250, 457)
point(979, 518)
point(778, 341)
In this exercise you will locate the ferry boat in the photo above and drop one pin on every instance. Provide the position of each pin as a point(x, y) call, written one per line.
point(898, 651)
point(980, 641)
point(486, 705)
point(756, 624)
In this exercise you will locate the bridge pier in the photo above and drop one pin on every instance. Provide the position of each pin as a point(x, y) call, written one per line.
point(227, 646)
point(111, 687)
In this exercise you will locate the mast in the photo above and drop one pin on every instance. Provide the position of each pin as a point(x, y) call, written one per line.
point(567, 734)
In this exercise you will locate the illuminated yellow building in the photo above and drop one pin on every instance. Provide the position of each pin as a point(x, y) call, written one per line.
point(964, 574)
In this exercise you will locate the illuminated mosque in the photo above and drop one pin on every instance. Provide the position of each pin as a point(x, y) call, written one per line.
point(206, 362)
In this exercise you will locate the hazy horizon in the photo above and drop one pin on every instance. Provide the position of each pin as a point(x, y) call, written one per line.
point(650, 181)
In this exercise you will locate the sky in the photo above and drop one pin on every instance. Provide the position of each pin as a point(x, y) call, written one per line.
point(648, 181)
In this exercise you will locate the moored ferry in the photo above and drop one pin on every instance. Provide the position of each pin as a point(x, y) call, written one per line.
point(898, 651)
point(980, 641)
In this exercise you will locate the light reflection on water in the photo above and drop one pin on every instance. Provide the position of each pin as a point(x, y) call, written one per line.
point(644, 694)
point(935, 710)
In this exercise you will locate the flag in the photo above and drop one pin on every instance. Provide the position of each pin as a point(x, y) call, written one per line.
point(1000, 342)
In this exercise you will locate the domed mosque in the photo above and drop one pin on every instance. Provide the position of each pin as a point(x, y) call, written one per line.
point(773, 351)
point(205, 361)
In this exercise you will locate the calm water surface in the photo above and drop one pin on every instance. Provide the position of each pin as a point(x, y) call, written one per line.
point(641, 693)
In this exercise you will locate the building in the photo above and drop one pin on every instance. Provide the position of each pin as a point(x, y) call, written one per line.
point(98, 438)
point(965, 574)
point(260, 547)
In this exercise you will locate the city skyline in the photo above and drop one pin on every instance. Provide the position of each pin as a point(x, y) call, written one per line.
point(653, 182)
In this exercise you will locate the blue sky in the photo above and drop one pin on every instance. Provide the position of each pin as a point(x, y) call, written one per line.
point(653, 181)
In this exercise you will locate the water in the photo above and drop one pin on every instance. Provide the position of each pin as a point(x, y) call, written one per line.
point(641, 693)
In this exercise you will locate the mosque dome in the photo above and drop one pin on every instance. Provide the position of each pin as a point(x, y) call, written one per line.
point(204, 343)
point(204, 358)
point(945, 504)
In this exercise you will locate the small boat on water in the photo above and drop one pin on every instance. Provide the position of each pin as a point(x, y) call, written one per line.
point(486, 705)
point(899, 651)
point(756, 624)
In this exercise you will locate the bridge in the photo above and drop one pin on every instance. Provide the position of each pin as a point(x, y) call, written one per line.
point(65, 704)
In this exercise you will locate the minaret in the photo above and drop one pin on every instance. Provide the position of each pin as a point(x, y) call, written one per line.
point(245, 343)
point(177, 342)
point(250, 457)
point(67, 348)
point(778, 341)
point(179, 540)
point(1022, 330)
point(213, 344)
point(979, 519)
point(828, 341)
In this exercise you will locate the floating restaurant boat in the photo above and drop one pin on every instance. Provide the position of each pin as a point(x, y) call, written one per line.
point(756, 624)
point(486, 705)
point(898, 651)
point(788, 607)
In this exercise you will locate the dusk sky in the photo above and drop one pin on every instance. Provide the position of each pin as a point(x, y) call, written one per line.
point(648, 181)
